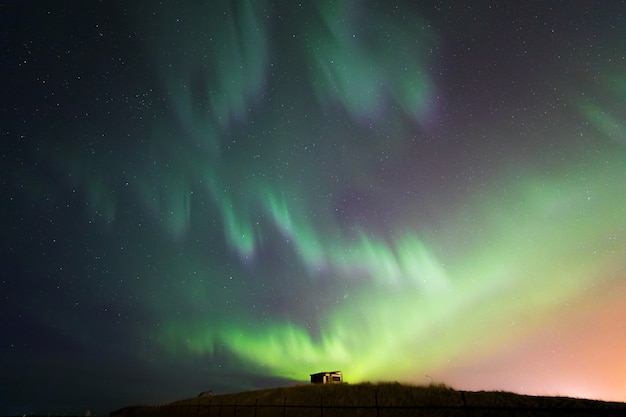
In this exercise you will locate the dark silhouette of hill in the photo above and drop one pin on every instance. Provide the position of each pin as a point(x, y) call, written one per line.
point(375, 400)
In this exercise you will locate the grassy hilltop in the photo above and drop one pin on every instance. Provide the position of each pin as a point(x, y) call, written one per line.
point(375, 400)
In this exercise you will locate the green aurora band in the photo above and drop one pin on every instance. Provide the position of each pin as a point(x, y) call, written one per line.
point(415, 312)
point(525, 249)
point(418, 297)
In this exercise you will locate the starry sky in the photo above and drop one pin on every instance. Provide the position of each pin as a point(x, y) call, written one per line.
point(231, 195)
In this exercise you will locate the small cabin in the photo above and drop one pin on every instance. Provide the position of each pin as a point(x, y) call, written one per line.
point(333, 377)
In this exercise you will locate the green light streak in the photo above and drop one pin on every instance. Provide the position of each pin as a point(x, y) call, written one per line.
point(214, 66)
point(414, 95)
point(239, 232)
point(244, 60)
point(238, 228)
point(305, 240)
point(357, 68)
point(351, 79)
point(608, 124)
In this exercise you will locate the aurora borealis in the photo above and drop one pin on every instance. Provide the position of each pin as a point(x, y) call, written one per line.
point(233, 195)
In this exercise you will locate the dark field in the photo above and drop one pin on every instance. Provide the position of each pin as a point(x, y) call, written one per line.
point(375, 400)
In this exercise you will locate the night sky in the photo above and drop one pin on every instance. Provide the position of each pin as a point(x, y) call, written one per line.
point(232, 195)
